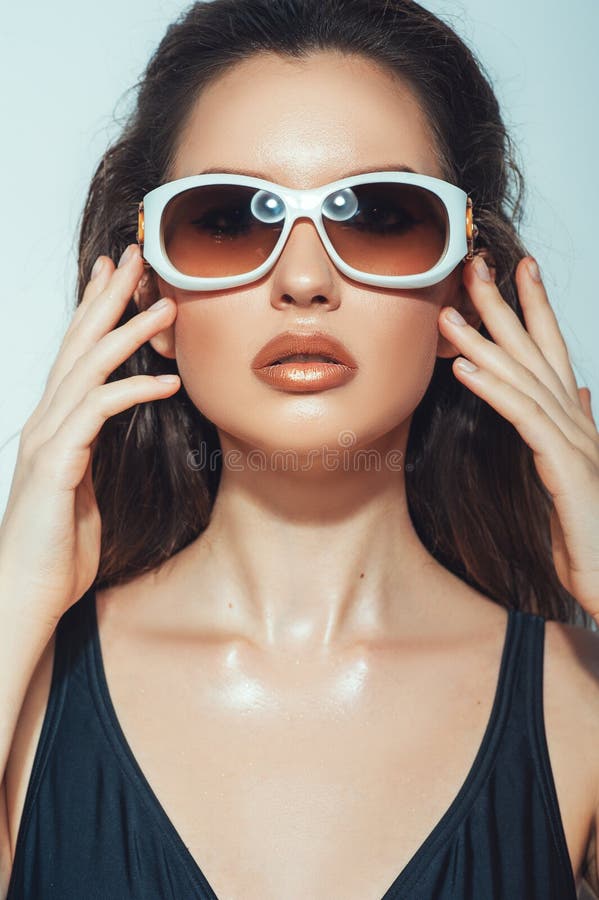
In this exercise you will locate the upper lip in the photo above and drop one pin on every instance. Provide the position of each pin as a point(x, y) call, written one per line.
point(289, 343)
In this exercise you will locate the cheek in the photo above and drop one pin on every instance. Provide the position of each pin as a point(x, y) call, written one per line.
point(399, 359)
point(213, 352)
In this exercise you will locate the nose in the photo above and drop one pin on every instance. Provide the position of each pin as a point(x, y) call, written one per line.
point(304, 274)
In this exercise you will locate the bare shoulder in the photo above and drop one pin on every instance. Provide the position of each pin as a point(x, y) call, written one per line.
point(23, 748)
point(571, 694)
point(572, 665)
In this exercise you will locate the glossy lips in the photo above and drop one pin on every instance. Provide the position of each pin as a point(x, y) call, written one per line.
point(269, 364)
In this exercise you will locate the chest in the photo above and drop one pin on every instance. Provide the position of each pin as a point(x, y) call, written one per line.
point(308, 779)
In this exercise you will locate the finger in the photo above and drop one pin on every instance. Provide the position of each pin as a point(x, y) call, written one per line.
point(101, 272)
point(543, 326)
point(94, 366)
point(109, 277)
point(497, 362)
point(105, 308)
point(507, 331)
point(558, 456)
point(64, 457)
point(503, 324)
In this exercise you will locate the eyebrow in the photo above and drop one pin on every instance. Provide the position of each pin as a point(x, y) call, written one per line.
point(391, 167)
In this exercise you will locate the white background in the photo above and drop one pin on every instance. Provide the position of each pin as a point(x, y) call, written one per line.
point(65, 68)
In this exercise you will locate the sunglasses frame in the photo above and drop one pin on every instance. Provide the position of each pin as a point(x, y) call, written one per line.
point(302, 203)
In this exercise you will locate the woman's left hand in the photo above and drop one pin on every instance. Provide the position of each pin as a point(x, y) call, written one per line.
point(525, 374)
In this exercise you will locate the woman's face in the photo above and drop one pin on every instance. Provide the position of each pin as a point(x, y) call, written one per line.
point(303, 124)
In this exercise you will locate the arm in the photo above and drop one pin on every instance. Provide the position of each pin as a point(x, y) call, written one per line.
point(5, 861)
point(22, 641)
point(592, 862)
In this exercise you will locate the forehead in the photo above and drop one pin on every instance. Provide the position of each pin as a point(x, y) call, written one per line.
point(305, 123)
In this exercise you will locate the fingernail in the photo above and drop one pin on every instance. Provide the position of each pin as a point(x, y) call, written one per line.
point(454, 316)
point(98, 266)
point(128, 253)
point(481, 269)
point(160, 304)
point(466, 365)
point(534, 270)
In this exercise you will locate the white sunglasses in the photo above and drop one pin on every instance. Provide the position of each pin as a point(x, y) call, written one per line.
point(214, 231)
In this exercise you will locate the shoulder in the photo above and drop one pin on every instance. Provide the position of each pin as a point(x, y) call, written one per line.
point(572, 665)
point(571, 686)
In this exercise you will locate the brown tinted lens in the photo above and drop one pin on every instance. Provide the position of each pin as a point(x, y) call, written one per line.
point(397, 229)
point(209, 231)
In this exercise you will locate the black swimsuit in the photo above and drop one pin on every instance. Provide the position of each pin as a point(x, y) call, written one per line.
point(93, 829)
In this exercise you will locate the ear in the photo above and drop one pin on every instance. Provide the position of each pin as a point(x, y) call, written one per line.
point(461, 300)
point(148, 290)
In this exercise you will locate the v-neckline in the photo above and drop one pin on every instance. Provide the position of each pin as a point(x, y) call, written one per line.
point(420, 858)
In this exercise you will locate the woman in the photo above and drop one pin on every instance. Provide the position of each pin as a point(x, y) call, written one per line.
point(305, 629)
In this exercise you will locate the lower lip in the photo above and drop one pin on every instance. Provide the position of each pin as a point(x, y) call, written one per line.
point(302, 377)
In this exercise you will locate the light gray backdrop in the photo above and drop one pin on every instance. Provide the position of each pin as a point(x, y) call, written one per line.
point(64, 71)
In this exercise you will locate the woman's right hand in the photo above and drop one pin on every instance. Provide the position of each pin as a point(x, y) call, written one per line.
point(50, 532)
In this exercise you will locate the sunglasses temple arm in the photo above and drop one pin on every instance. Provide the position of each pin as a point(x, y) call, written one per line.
point(140, 233)
point(471, 230)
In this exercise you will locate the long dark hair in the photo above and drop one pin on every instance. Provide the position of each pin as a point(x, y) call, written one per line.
point(474, 496)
